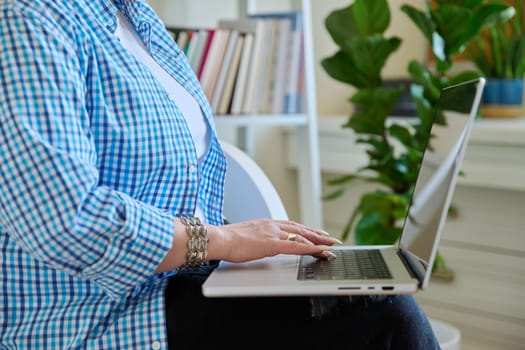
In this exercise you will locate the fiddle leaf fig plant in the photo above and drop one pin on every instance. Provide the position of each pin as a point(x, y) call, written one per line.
point(358, 30)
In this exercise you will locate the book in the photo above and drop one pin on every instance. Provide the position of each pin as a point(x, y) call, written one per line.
point(281, 73)
point(255, 79)
point(248, 75)
point(213, 61)
point(224, 70)
point(196, 51)
point(211, 33)
point(263, 69)
point(180, 35)
point(263, 103)
point(296, 98)
point(242, 74)
point(227, 92)
point(272, 97)
point(193, 46)
point(292, 91)
point(292, 80)
point(188, 41)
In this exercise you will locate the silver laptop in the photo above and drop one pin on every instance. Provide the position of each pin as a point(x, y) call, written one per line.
point(399, 269)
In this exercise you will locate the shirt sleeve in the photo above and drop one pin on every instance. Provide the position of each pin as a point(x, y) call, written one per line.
point(50, 200)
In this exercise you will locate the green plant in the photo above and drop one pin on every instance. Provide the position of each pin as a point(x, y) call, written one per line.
point(448, 26)
point(394, 150)
point(358, 31)
point(499, 51)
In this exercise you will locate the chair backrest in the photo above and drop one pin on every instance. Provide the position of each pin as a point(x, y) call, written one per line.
point(248, 193)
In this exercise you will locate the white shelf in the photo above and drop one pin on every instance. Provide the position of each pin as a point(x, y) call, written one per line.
point(262, 120)
point(494, 157)
point(499, 131)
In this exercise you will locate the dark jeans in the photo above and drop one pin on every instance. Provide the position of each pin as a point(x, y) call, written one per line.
point(197, 322)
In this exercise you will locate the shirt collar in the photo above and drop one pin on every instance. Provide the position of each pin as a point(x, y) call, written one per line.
point(134, 11)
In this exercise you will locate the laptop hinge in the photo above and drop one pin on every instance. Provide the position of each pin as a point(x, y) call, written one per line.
point(413, 266)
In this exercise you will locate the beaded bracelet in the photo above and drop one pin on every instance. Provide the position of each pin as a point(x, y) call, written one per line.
point(197, 241)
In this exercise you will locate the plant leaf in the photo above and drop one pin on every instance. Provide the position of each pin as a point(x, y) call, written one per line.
point(370, 230)
point(334, 195)
point(402, 134)
point(421, 19)
point(342, 68)
point(361, 18)
point(373, 108)
point(423, 76)
point(370, 53)
point(452, 22)
point(341, 180)
point(371, 17)
point(340, 25)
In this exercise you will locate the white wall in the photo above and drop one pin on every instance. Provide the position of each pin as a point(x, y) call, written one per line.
point(195, 13)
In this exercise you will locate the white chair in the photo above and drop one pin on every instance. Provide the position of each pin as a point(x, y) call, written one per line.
point(449, 337)
point(249, 194)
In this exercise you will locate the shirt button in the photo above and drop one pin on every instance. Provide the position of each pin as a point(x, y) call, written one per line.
point(192, 169)
point(172, 97)
point(155, 345)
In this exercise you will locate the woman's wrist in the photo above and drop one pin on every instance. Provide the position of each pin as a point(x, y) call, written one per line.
point(217, 246)
point(217, 243)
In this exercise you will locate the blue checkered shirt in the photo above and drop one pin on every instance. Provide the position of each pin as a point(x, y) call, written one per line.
point(95, 160)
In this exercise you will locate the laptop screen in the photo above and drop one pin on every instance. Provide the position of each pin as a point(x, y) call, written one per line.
point(438, 171)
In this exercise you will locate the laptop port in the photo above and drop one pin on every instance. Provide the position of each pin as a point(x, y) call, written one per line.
point(388, 288)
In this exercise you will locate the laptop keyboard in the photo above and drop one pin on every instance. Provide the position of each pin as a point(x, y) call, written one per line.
point(348, 265)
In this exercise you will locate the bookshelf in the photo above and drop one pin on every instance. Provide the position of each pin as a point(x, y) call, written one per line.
point(245, 125)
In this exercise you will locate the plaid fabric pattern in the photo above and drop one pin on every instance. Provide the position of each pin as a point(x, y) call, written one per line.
point(95, 160)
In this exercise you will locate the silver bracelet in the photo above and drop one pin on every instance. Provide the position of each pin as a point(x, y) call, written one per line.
point(197, 241)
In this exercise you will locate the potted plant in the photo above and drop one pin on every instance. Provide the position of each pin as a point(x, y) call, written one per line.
point(499, 53)
point(394, 149)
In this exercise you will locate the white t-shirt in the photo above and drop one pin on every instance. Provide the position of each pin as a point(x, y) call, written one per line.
point(185, 102)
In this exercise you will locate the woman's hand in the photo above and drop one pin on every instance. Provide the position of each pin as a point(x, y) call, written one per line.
point(251, 240)
point(256, 239)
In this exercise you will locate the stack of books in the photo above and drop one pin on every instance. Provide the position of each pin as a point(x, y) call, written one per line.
point(252, 65)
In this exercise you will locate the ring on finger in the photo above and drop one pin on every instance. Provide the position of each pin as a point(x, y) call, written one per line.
point(291, 237)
